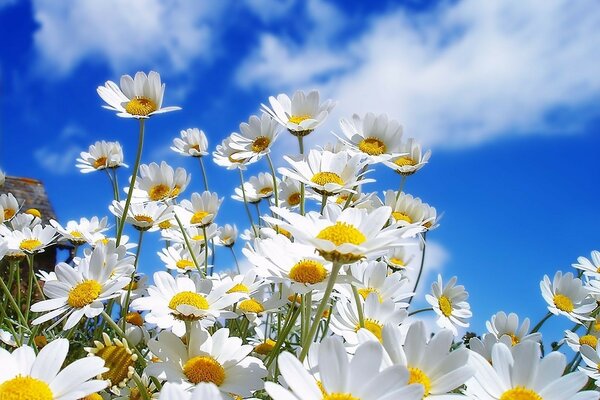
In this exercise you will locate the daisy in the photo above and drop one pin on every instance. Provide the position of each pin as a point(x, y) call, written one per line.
point(9, 206)
point(139, 97)
point(262, 184)
point(256, 138)
point(567, 296)
point(484, 346)
point(178, 257)
point(135, 330)
point(195, 234)
point(327, 173)
point(575, 342)
point(249, 283)
point(101, 155)
point(341, 378)
point(346, 236)
point(193, 143)
point(28, 376)
point(142, 216)
point(224, 156)
point(407, 210)
point(81, 232)
point(31, 240)
point(358, 199)
point(450, 304)
point(228, 235)
point(289, 193)
point(345, 320)
point(202, 391)
point(502, 324)
point(18, 222)
point(173, 301)
point(521, 374)
point(430, 359)
point(218, 359)
point(591, 357)
point(80, 292)
point(301, 114)
point(201, 210)
point(159, 182)
point(412, 162)
point(590, 267)
point(398, 259)
point(249, 191)
point(375, 137)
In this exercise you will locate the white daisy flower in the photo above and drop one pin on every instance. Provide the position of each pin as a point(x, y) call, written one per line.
point(101, 155)
point(358, 199)
point(143, 216)
point(410, 163)
point(9, 206)
point(252, 195)
point(574, 341)
point(256, 138)
point(344, 379)
point(31, 240)
point(398, 259)
point(173, 301)
point(159, 182)
point(28, 376)
point(408, 210)
point(450, 304)
point(345, 320)
point(18, 222)
point(195, 235)
point(300, 115)
point(262, 184)
point(224, 156)
point(227, 235)
point(193, 143)
point(336, 147)
point(591, 357)
point(114, 258)
point(521, 374)
point(484, 346)
point(567, 296)
point(201, 210)
point(502, 324)
point(346, 236)
point(178, 257)
point(249, 283)
point(80, 292)
point(327, 173)
point(218, 359)
point(202, 391)
point(139, 97)
point(375, 137)
point(81, 232)
point(135, 330)
point(289, 193)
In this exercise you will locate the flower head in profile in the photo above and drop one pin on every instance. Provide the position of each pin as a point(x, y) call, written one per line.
point(143, 216)
point(412, 160)
point(227, 235)
point(566, 295)
point(193, 143)
point(9, 206)
point(159, 182)
point(31, 240)
point(82, 231)
point(138, 97)
point(200, 210)
point(407, 210)
point(508, 325)
point(225, 156)
point(27, 376)
point(301, 114)
point(101, 155)
point(450, 304)
point(255, 138)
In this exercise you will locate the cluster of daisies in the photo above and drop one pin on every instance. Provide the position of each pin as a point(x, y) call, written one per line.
point(320, 307)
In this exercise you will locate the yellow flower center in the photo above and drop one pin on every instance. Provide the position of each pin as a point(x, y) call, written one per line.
point(141, 106)
point(93, 396)
point(294, 199)
point(372, 146)
point(520, 393)
point(397, 261)
point(175, 191)
point(445, 305)
point(283, 232)
point(400, 216)
point(32, 211)
point(251, 306)
point(514, 339)
point(295, 298)
point(198, 217)
point(204, 369)
point(165, 224)
point(323, 178)
point(342, 232)
point(372, 326)
point(118, 360)
point(404, 161)
point(418, 376)
point(190, 299)
point(265, 347)
point(563, 303)
point(134, 318)
point(590, 340)
point(100, 162)
point(9, 213)
point(25, 388)
point(134, 394)
point(266, 191)
point(143, 218)
point(30, 244)
point(296, 119)
point(159, 192)
point(184, 264)
point(239, 288)
point(76, 234)
point(339, 396)
point(308, 272)
point(260, 143)
point(365, 292)
point(84, 293)
point(40, 341)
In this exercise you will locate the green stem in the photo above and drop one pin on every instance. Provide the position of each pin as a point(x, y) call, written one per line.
point(539, 324)
point(237, 265)
point(359, 309)
point(246, 202)
point(281, 336)
point(420, 311)
point(402, 182)
point(187, 243)
point(204, 177)
point(275, 189)
point(205, 250)
point(136, 166)
point(420, 267)
point(323, 202)
point(125, 308)
point(13, 302)
point(29, 285)
point(142, 388)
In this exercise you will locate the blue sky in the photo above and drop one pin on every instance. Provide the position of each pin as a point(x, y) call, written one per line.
point(505, 94)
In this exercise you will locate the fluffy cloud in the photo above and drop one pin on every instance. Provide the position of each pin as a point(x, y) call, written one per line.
point(455, 75)
point(58, 157)
point(124, 34)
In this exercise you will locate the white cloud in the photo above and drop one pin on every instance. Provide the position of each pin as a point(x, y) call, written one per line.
point(269, 10)
point(58, 157)
point(124, 34)
point(456, 75)
point(436, 257)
